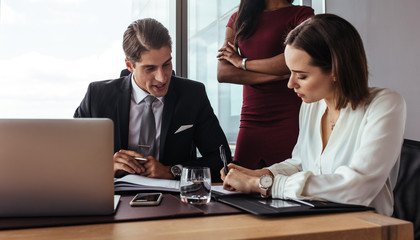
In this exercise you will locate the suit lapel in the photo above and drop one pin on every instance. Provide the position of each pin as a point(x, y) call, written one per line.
point(123, 111)
point(168, 109)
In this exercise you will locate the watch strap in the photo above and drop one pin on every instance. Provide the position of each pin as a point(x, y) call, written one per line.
point(244, 63)
point(266, 190)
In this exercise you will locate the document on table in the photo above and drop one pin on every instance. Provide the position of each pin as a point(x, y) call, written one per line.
point(134, 182)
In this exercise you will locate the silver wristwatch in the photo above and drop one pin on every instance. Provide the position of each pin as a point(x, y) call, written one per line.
point(176, 170)
point(244, 63)
point(265, 184)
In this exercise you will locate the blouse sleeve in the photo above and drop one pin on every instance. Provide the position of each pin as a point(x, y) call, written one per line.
point(360, 181)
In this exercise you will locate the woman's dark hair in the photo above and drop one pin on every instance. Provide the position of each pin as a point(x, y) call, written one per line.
point(336, 47)
point(246, 21)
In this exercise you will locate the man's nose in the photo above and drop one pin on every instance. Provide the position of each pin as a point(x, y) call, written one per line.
point(160, 75)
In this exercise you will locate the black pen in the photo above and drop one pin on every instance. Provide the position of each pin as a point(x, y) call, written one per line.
point(223, 157)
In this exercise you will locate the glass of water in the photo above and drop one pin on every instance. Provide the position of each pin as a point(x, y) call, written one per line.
point(195, 185)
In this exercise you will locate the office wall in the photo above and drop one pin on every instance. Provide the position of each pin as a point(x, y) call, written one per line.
point(390, 30)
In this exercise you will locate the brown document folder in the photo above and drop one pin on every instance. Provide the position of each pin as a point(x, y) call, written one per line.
point(170, 207)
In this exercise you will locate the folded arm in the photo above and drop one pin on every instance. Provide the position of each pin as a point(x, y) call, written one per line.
point(230, 70)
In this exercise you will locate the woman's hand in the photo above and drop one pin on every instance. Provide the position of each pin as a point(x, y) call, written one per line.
point(242, 179)
point(230, 54)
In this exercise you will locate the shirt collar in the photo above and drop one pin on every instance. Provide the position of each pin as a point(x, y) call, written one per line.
point(138, 94)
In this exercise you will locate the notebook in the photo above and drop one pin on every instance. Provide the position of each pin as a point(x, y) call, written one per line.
point(56, 167)
point(133, 182)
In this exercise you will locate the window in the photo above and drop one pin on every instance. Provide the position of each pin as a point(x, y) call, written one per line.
point(51, 50)
point(206, 34)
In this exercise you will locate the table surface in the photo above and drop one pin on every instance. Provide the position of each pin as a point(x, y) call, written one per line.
point(355, 225)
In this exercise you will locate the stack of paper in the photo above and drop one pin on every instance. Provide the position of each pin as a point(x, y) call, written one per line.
point(134, 182)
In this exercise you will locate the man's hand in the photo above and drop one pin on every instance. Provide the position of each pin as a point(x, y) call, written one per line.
point(124, 162)
point(155, 169)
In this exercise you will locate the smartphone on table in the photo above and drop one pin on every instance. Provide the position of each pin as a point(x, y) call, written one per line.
point(146, 199)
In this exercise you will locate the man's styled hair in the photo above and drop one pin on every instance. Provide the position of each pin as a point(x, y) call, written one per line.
point(144, 35)
point(336, 47)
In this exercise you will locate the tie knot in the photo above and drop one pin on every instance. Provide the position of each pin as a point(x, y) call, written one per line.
point(149, 99)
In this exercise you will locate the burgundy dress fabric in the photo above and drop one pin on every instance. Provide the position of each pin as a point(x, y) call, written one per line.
point(270, 112)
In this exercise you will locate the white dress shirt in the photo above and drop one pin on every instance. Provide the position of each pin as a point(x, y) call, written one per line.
point(137, 106)
point(360, 162)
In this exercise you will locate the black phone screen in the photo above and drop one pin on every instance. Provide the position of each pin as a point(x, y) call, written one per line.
point(146, 197)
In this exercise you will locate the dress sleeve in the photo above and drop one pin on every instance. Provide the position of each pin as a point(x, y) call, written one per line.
point(360, 181)
point(306, 13)
point(231, 21)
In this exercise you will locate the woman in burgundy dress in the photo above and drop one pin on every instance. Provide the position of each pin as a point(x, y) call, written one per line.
point(253, 56)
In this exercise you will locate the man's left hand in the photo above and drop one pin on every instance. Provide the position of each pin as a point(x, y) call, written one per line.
point(155, 169)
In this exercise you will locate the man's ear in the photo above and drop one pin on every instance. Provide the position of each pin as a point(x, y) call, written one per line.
point(129, 65)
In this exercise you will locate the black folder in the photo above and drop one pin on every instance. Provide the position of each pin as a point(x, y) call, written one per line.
point(280, 207)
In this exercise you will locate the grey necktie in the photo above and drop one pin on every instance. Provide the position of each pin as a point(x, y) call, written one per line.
point(147, 136)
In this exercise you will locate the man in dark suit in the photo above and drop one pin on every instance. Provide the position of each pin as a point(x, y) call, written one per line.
point(183, 117)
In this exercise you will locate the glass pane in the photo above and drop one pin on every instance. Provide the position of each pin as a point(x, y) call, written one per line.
point(51, 50)
point(161, 10)
point(318, 6)
point(206, 33)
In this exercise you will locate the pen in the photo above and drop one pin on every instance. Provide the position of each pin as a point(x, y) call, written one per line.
point(140, 158)
point(223, 157)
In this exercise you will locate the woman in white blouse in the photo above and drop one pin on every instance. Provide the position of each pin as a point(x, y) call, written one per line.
point(350, 135)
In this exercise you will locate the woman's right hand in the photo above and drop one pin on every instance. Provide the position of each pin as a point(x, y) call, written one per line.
point(230, 54)
point(249, 172)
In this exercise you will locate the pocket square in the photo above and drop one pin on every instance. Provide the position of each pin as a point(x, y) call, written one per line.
point(183, 128)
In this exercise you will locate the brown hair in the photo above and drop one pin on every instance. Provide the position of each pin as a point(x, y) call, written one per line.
point(336, 47)
point(143, 35)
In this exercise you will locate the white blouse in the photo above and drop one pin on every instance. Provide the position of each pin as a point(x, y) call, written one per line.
point(360, 162)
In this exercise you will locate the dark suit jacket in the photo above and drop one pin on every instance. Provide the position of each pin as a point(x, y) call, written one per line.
point(185, 103)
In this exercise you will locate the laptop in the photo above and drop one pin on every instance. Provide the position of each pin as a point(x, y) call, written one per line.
point(56, 167)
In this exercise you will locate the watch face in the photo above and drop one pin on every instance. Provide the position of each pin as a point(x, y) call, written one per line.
point(266, 181)
point(176, 171)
